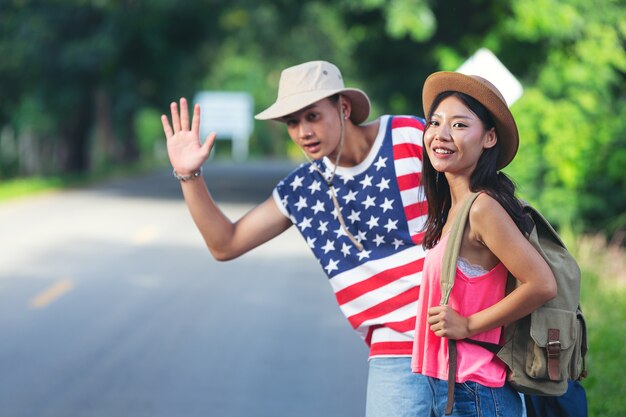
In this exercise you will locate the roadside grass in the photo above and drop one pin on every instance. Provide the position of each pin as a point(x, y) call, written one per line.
point(22, 187)
point(27, 186)
point(603, 300)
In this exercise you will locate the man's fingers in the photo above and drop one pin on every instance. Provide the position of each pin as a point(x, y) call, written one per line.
point(195, 122)
point(184, 114)
point(208, 143)
point(166, 126)
point(175, 117)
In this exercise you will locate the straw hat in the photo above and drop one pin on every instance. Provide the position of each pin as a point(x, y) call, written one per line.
point(304, 84)
point(488, 95)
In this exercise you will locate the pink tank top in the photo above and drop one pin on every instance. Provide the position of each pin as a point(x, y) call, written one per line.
point(469, 295)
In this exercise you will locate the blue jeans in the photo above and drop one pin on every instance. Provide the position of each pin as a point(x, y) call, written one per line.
point(472, 399)
point(393, 390)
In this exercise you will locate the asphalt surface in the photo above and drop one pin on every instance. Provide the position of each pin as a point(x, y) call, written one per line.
point(110, 305)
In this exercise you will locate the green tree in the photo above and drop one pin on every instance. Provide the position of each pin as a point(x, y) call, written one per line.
point(75, 69)
point(572, 115)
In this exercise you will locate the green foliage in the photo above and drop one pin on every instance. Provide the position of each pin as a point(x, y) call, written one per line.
point(603, 293)
point(571, 118)
point(413, 18)
point(76, 74)
point(150, 135)
point(607, 325)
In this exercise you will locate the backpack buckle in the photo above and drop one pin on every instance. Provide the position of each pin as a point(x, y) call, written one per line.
point(554, 348)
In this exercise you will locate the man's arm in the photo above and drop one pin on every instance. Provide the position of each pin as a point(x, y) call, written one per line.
point(225, 239)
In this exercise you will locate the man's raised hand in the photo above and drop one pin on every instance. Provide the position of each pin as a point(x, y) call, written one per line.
point(186, 152)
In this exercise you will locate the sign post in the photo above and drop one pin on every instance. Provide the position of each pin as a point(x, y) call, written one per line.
point(229, 115)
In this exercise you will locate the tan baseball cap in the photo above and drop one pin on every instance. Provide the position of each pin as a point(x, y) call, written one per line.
point(307, 83)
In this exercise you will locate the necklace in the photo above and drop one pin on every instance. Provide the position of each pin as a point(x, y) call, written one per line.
point(329, 181)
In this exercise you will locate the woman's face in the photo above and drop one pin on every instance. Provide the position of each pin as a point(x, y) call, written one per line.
point(455, 138)
point(316, 128)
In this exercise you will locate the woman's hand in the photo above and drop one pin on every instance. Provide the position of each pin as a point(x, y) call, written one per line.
point(184, 149)
point(445, 322)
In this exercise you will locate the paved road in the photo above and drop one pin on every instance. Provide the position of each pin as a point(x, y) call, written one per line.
point(111, 306)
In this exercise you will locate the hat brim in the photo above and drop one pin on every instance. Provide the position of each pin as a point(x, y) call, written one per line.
point(288, 105)
point(506, 128)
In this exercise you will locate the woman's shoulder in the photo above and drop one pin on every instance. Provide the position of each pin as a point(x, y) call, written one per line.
point(487, 214)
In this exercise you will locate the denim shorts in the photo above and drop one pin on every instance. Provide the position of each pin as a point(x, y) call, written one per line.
point(393, 390)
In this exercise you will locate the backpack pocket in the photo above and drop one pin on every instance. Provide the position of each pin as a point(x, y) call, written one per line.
point(578, 368)
point(554, 333)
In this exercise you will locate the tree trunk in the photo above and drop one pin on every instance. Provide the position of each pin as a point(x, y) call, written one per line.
point(130, 150)
point(75, 134)
point(103, 149)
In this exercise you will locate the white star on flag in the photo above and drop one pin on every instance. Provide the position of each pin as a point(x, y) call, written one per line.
point(311, 242)
point(330, 193)
point(340, 232)
point(323, 227)
point(315, 186)
point(383, 185)
point(345, 249)
point(367, 181)
point(306, 222)
point(346, 178)
point(372, 222)
point(369, 202)
point(380, 163)
point(328, 246)
point(351, 196)
point(379, 240)
point(319, 206)
point(355, 216)
point(391, 225)
point(364, 254)
point(387, 205)
point(397, 243)
point(296, 183)
point(301, 203)
point(332, 266)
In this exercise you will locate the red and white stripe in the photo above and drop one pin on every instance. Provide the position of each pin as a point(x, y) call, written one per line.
point(408, 163)
point(394, 280)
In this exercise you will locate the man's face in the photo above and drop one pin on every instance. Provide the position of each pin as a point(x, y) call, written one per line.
point(316, 128)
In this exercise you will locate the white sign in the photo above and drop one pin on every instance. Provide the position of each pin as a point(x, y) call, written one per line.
point(229, 115)
point(485, 64)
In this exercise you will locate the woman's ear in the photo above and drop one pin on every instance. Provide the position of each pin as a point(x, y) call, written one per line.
point(490, 138)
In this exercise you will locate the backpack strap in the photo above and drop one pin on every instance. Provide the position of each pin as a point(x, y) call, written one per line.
point(453, 246)
point(448, 273)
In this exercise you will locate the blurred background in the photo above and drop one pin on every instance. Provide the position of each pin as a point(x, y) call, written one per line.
point(84, 82)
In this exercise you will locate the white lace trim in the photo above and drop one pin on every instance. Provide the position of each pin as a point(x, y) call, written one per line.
point(470, 270)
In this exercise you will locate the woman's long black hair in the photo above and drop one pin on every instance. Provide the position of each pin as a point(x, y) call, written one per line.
point(485, 178)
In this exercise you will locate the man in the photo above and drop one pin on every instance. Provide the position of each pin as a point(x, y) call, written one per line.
point(357, 202)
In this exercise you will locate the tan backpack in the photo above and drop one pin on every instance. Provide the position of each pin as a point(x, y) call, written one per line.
point(547, 348)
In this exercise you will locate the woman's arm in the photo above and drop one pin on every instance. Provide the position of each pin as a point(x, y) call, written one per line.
point(491, 226)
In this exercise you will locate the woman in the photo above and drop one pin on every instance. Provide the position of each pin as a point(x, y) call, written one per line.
point(470, 136)
point(355, 203)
